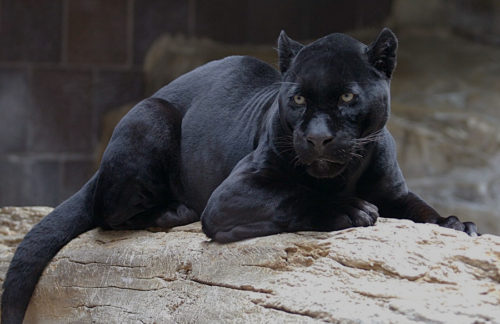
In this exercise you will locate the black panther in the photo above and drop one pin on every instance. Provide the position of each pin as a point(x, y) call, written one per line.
point(250, 150)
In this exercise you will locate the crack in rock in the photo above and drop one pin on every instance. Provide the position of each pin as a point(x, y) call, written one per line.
point(122, 309)
point(229, 286)
point(490, 270)
point(103, 305)
point(411, 315)
point(375, 267)
point(106, 241)
point(113, 286)
point(85, 263)
point(322, 316)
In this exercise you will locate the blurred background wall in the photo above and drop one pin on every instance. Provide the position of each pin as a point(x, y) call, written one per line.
point(69, 69)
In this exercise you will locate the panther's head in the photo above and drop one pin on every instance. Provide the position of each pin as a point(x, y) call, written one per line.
point(334, 97)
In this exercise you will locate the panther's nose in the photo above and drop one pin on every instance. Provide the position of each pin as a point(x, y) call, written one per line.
point(319, 140)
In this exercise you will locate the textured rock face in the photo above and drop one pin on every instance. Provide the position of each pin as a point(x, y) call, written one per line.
point(394, 272)
point(15, 222)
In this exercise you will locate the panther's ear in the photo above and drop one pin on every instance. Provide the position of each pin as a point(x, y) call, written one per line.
point(287, 49)
point(382, 52)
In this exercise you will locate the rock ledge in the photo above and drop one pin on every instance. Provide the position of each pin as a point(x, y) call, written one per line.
point(394, 272)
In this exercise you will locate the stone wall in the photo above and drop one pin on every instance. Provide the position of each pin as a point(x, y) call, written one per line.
point(62, 65)
point(66, 63)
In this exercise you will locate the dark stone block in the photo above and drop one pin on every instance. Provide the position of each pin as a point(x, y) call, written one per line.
point(97, 31)
point(222, 20)
point(15, 100)
point(44, 183)
point(476, 19)
point(328, 17)
point(266, 18)
point(152, 18)
point(29, 183)
point(30, 30)
point(260, 21)
point(61, 116)
point(75, 175)
point(12, 187)
point(373, 13)
point(115, 88)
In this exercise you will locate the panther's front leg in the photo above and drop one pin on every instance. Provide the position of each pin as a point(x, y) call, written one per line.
point(410, 206)
point(245, 206)
point(254, 202)
point(383, 184)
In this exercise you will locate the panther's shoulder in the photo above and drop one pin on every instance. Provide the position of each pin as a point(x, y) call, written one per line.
point(248, 64)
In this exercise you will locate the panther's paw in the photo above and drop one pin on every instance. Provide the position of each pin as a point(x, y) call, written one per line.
point(453, 222)
point(361, 213)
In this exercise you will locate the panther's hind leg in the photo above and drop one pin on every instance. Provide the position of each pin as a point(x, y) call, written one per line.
point(137, 222)
point(138, 178)
point(174, 215)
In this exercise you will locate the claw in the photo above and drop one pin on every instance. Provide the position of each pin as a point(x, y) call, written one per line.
point(454, 223)
point(471, 229)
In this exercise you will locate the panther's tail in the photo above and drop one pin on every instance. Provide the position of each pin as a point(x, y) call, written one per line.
point(40, 245)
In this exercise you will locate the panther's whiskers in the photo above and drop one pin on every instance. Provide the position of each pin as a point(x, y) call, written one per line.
point(373, 137)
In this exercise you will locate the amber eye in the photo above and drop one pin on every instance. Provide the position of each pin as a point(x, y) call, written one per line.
point(299, 100)
point(347, 97)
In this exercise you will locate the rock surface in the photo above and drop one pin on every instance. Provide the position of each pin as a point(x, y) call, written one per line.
point(394, 272)
point(15, 222)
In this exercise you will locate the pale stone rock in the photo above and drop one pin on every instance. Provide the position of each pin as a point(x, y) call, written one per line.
point(15, 222)
point(394, 272)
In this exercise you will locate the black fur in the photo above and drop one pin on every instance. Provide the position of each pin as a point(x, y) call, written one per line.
point(262, 152)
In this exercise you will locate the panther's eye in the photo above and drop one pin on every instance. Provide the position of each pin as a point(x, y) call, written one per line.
point(299, 100)
point(347, 97)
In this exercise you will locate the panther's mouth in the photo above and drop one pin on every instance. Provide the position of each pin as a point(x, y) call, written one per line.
point(324, 161)
point(328, 161)
point(326, 168)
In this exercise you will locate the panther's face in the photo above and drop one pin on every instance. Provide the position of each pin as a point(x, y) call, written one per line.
point(334, 98)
